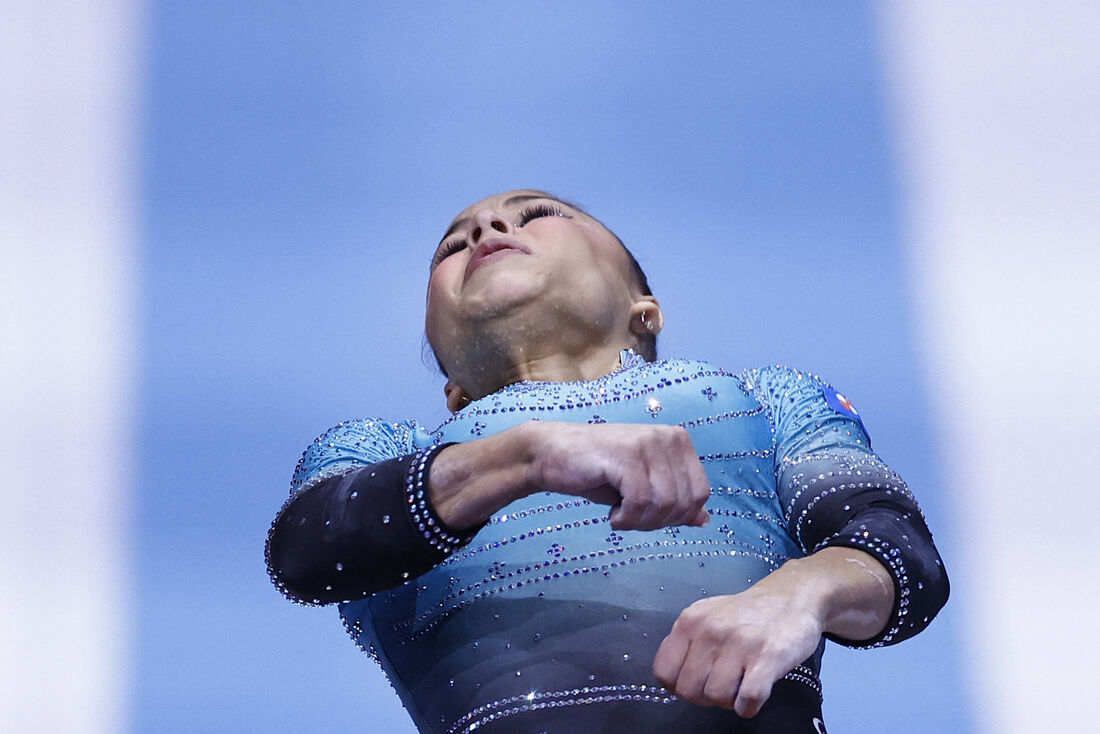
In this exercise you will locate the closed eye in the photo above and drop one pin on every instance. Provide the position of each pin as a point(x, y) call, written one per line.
point(447, 249)
point(539, 210)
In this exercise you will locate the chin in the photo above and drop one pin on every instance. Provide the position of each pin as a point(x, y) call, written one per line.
point(501, 297)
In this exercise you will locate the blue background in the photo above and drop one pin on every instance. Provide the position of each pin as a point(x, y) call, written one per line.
point(301, 161)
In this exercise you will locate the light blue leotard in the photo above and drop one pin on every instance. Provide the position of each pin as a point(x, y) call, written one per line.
point(549, 607)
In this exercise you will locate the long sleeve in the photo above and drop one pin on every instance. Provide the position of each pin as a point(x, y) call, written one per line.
point(837, 492)
point(357, 521)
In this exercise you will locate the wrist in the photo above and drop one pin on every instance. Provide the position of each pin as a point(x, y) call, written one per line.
point(470, 481)
point(852, 592)
point(805, 588)
point(530, 437)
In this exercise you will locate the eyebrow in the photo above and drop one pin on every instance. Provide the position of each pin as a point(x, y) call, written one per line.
point(507, 202)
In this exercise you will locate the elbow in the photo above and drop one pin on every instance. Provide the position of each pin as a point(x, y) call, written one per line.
point(313, 570)
point(294, 571)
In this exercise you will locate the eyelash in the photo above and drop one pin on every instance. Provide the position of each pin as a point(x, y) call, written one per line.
point(533, 212)
point(536, 211)
point(448, 249)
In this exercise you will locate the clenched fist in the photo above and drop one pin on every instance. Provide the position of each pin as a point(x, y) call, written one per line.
point(649, 475)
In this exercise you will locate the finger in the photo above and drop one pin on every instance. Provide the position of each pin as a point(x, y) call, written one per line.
point(614, 517)
point(694, 673)
point(606, 495)
point(628, 514)
point(700, 484)
point(692, 504)
point(642, 505)
point(670, 658)
point(663, 506)
point(756, 687)
point(724, 681)
point(686, 507)
point(694, 483)
point(692, 508)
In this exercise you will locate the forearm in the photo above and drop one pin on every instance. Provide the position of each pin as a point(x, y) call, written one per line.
point(374, 527)
point(729, 650)
point(353, 534)
point(470, 481)
point(371, 528)
point(876, 514)
point(649, 476)
point(848, 590)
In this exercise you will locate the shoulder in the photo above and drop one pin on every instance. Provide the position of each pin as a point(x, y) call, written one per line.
point(352, 444)
point(802, 403)
point(774, 380)
point(768, 384)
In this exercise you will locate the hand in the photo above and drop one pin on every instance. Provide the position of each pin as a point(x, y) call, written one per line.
point(649, 475)
point(728, 651)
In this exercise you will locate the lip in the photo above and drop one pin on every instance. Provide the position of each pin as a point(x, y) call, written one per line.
point(490, 247)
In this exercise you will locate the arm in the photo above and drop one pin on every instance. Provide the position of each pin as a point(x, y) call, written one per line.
point(729, 650)
point(872, 575)
point(374, 527)
point(357, 532)
point(649, 475)
point(875, 578)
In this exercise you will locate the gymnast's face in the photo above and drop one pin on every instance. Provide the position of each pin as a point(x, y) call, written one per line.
point(523, 259)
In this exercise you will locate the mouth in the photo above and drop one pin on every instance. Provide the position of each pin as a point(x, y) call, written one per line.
point(492, 250)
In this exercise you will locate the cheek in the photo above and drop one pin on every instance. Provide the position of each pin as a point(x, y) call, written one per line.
point(439, 303)
point(606, 265)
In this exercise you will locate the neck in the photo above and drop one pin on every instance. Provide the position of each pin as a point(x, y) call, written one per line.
point(494, 369)
point(561, 367)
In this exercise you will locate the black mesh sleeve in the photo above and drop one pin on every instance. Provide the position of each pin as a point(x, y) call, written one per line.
point(855, 500)
point(359, 532)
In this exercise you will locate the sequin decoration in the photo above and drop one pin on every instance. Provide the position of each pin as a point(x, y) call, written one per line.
point(534, 701)
point(547, 559)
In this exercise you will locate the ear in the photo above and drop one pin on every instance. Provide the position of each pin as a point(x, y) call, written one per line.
point(646, 316)
point(457, 398)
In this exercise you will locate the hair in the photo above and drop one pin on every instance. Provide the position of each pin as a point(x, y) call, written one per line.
point(645, 345)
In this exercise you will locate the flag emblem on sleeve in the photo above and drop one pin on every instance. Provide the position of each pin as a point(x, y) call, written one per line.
point(842, 405)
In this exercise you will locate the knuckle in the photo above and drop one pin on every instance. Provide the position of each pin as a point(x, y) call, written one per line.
point(663, 501)
point(690, 693)
point(673, 435)
point(751, 699)
point(753, 696)
point(712, 635)
point(686, 623)
point(718, 695)
point(693, 698)
point(682, 437)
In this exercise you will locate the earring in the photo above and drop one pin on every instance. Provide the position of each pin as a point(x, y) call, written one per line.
point(647, 323)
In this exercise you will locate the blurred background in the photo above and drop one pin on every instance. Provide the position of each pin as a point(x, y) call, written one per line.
point(216, 221)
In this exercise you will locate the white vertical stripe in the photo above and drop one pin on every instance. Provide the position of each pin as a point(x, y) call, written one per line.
point(998, 114)
point(68, 97)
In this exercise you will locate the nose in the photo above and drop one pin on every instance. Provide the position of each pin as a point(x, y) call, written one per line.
point(484, 222)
